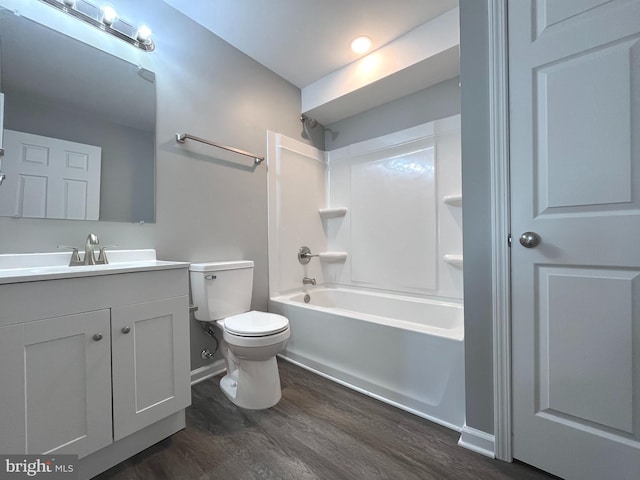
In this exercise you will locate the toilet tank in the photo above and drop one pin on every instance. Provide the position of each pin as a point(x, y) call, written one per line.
point(221, 289)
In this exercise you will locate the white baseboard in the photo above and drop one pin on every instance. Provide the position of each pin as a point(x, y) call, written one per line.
point(477, 441)
point(200, 374)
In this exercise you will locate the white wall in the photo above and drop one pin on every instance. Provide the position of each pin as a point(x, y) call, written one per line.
point(208, 206)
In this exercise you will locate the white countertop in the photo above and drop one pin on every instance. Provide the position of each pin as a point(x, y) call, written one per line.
point(33, 267)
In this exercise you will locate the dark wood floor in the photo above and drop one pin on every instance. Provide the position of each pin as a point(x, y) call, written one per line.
point(320, 431)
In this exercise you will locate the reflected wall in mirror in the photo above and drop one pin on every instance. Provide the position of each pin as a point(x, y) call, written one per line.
point(79, 128)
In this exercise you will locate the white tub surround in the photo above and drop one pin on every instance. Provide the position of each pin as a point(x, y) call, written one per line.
point(405, 351)
point(398, 226)
point(390, 204)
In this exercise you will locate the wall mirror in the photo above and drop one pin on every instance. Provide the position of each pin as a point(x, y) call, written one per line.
point(79, 128)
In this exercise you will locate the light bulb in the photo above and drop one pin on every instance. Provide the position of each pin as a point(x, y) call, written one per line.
point(143, 34)
point(361, 44)
point(109, 15)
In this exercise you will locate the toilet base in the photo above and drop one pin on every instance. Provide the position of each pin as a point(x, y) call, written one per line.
point(253, 385)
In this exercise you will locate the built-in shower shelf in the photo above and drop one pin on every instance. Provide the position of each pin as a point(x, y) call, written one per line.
point(455, 260)
point(332, 212)
point(332, 257)
point(455, 200)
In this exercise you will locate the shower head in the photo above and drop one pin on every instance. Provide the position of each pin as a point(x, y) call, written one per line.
point(310, 122)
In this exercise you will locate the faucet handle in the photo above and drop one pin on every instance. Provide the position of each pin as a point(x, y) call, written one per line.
point(75, 256)
point(102, 256)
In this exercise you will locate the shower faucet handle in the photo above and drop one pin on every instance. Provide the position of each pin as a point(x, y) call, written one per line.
point(304, 255)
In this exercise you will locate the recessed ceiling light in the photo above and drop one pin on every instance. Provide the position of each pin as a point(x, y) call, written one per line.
point(361, 44)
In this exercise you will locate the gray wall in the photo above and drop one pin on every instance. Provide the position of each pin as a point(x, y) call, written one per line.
point(476, 214)
point(438, 101)
point(209, 207)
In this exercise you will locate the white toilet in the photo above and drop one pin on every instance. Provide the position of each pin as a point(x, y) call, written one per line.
point(251, 340)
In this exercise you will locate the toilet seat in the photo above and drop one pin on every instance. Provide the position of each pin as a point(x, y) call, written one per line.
point(255, 324)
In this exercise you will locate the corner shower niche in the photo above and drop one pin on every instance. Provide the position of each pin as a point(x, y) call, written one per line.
point(384, 213)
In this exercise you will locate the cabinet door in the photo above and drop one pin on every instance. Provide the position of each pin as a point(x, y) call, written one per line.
point(55, 385)
point(150, 363)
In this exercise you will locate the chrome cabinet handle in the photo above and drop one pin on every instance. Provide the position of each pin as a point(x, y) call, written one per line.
point(210, 277)
point(125, 330)
point(97, 337)
point(530, 239)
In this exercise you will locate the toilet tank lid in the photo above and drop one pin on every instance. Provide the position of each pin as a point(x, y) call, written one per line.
point(217, 266)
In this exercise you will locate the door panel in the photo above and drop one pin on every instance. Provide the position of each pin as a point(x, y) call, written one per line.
point(575, 162)
point(573, 381)
point(575, 131)
point(150, 363)
point(549, 13)
point(59, 378)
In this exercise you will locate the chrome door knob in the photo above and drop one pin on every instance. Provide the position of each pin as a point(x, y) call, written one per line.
point(126, 330)
point(529, 239)
point(97, 337)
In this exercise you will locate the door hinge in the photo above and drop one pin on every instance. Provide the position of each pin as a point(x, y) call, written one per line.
point(509, 240)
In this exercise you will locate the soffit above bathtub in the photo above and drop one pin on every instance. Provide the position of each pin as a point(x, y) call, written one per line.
point(306, 43)
point(419, 59)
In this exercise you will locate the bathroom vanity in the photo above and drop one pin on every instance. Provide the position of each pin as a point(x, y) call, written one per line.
point(94, 360)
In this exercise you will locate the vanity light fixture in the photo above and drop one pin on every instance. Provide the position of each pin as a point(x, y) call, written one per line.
point(106, 19)
point(361, 44)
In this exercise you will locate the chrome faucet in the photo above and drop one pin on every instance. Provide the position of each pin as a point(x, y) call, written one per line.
point(89, 253)
point(308, 281)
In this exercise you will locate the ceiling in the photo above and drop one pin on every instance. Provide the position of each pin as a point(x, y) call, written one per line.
point(305, 40)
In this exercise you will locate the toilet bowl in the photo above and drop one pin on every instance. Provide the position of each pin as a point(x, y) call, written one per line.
point(250, 339)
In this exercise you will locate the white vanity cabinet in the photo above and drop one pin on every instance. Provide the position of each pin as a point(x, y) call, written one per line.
point(95, 366)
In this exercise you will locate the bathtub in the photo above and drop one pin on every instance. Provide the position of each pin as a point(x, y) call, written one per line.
point(405, 351)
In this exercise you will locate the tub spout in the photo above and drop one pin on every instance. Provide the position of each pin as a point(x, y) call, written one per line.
point(308, 281)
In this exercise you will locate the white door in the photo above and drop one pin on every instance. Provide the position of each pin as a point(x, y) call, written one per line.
point(57, 384)
point(49, 178)
point(150, 350)
point(574, 68)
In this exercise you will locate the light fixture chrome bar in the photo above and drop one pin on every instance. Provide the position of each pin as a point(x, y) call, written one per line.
point(146, 46)
point(181, 137)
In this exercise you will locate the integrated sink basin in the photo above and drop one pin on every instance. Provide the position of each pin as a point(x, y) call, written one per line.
point(31, 267)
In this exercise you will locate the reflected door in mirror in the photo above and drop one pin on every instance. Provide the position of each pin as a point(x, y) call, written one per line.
point(50, 178)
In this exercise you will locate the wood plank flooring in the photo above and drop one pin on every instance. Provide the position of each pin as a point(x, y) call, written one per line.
point(318, 431)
